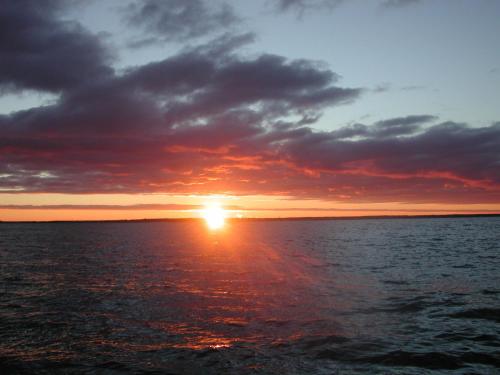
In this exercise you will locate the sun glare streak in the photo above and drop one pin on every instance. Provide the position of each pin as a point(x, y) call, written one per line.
point(214, 215)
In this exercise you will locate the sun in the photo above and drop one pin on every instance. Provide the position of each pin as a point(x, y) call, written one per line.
point(214, 215)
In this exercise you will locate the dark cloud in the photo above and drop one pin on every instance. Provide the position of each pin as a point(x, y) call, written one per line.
point(401, 125)
point(160, 125)
point(455, 155)
point(270, 83)
point(40, 51)
point(178, 20)
point(237, 153)
point(387, 128)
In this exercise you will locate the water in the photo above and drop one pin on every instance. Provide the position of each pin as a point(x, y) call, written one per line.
point(413, 296)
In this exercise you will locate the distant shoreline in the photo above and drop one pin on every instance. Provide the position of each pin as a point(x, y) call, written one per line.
point(304, 218)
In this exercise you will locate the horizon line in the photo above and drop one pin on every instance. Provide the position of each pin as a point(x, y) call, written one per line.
point(288, 218)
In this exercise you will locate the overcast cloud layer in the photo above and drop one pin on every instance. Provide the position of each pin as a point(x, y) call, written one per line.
point(212, 120)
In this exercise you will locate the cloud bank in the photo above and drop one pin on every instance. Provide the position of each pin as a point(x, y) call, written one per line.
point(211, 120)
point(39, 51)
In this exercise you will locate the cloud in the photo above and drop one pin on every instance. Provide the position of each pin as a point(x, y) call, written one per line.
point(178, 20)
point(400, 125)
point(166, 125)
point(113, 207)
point(239, 154)
point(196, 207)
point(413, 88)
point(444, 159)
point(383, 87)
point(302, 6)
point(398, 3)
point(39, 51)
point(209, 120)
point(386, 128)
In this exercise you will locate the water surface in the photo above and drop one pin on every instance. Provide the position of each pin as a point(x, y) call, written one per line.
point(395, 296)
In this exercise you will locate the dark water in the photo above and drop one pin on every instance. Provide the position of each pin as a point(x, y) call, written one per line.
point(416, 296)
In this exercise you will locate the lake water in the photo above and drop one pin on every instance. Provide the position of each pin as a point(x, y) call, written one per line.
point(379, 296)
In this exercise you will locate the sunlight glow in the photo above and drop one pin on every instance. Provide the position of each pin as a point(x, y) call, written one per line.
point(214, 215)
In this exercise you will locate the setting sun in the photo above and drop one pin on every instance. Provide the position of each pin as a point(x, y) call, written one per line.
point(214, 215)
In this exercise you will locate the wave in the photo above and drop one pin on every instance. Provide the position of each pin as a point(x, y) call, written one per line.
point(486, 313)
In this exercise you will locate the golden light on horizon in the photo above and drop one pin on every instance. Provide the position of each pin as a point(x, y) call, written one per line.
point(214, 215)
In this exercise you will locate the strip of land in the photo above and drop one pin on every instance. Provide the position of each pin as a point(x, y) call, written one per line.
point(305, 218)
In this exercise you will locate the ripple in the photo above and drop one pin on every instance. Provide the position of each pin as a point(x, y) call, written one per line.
point(430, 360)
point(483, 313)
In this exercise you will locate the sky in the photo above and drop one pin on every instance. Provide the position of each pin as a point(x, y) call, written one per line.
point(274, 108)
